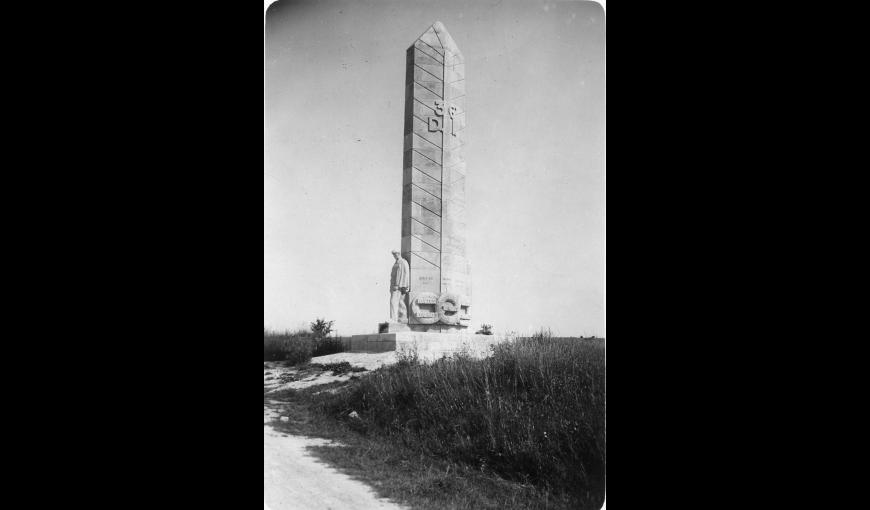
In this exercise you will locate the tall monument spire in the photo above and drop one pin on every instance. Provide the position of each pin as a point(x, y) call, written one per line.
point(433, 198)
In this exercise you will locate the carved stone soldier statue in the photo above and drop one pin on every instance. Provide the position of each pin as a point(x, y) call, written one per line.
point(399, 283)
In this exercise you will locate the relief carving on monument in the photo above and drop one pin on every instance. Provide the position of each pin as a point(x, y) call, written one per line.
point(465, 312)
point(454, 309)
point(424, 307)
point(437, 123)
point(447, 308)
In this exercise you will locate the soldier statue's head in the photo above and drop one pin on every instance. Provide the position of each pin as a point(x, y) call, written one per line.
point(395, 254)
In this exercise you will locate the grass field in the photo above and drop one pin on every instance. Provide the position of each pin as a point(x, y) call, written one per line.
point(522, 428)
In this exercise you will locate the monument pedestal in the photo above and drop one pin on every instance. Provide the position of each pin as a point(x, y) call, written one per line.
point(428, 346)
point(392, 327)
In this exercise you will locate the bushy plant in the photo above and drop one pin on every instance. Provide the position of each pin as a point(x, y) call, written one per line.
point(323, 343)
point(321, 328)
point(532, 412)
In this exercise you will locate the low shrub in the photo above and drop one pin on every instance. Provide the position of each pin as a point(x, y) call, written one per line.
point(485, 329)
point(337, 368)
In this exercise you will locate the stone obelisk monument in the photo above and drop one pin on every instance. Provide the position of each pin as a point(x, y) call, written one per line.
point(433, 208)
point(433, 196)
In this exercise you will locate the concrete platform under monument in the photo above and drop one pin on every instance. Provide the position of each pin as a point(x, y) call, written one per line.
point(400, 327)
point(428, 346)
point(392, 327)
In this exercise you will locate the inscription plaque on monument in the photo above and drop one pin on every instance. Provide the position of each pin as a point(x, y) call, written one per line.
point(433, 198)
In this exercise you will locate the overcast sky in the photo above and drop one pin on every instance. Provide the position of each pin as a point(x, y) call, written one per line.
point(332, 181)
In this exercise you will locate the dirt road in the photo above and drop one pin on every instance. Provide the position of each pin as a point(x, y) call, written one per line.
point(293, 479)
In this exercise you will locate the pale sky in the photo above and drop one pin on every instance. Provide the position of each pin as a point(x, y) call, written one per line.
point(535, 187)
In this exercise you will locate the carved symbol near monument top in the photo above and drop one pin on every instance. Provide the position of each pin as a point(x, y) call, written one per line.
point(439, 108)
point(435, 123)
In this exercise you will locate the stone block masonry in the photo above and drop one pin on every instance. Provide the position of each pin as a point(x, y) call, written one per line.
point(433, 185)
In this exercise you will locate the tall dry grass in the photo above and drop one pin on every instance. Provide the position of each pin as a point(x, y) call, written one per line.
point(298, 346)
point(532, 412)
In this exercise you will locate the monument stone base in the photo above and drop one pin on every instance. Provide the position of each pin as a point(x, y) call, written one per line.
point(427, 345)
point(439, 328)
point(392, 327)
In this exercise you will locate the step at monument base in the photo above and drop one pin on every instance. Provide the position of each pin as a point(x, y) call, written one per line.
point(428, 346)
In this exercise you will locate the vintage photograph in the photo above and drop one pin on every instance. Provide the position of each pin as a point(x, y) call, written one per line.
point(434, 254)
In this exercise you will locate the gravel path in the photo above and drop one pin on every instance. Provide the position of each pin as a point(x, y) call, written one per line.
point(273, 372)
point(294, 479)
